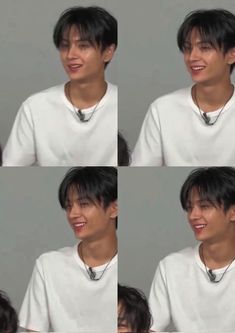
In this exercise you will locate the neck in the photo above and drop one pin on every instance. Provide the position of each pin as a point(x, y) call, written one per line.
point(218, 255)
point(98, 252)
point(212, 97)
point(85, 95)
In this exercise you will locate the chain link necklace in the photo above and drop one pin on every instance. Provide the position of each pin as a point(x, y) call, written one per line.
point(91, 273)
point(78, 112)
point(209, 272)
point(205, 117)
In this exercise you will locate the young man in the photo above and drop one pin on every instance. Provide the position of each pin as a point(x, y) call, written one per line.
point(195, 287)
point(8, 315)
point(133, 310)
point(74, 289)
point(195, 126)
point(74, 123)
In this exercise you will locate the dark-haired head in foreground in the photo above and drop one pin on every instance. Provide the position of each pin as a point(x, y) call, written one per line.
point(123, 151)
point(8, 316)
point(133, 310)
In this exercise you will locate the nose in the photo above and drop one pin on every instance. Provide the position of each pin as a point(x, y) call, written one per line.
point(194, 54)
point(194, 213)
point(72, 52)
point(75, 211)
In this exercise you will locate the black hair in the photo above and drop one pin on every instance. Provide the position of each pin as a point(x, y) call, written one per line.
point(123, 151)
point(134, 309)
point(8, 316)
point(94, 24)
point(214, 184)
point(215, 26)
point(0, 155)
point(98, 184)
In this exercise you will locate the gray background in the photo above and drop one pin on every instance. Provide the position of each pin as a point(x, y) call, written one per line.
point(149, 62)
point(29, 61)
point(152, 223)
point(32, 222)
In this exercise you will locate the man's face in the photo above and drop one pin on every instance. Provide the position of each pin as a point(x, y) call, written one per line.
point(209, 222)
point(206, 64)
point(89, 220)
point(82, 61)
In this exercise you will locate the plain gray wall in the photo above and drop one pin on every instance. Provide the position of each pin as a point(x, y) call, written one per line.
point(149, 62)
point(32, 222)
point(152, 223)
point(29, 61)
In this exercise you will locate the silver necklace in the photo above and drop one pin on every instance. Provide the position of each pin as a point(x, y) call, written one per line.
point(78, 112)
point(205, 117)
point(91, 273)
point(209, 272)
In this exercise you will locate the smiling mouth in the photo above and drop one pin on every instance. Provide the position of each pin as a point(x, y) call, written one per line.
point(198, 227)
point(73, 67)
point(197, 68)
point(78, 226)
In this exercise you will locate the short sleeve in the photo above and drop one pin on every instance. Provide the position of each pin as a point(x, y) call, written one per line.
point(34, 311)
point(148, 149)
point(159, 301)
point(20, 148)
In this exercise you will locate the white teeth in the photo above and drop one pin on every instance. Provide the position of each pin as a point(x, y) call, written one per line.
point(79, 224)
point(199, 226)
point(74, 66)
point(197, 68)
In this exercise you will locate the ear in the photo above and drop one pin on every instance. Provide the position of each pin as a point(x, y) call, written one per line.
point(113, 209)
point(232, 213)
point(109, 52)
point(231, 56)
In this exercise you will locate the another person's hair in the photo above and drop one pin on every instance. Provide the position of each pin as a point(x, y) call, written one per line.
point(8, 315)
point(97, 184)
point(0, 155)
point(94, 24)
point(123, 151)
point(215, 26)
point(214, 184)
point(134, 309)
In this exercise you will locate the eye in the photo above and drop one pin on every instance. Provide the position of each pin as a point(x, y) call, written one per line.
point(67, 206)
point(84, 46)
point(84, 203)
point(64, 45)
point(205, 205)
point(186, 48)
point(188, 208)
point(205, 47)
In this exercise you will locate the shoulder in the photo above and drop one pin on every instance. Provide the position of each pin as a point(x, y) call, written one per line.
point(56, 257)
point(180, 258)
point(112, 89)
point(44, 95)
point(178, 97)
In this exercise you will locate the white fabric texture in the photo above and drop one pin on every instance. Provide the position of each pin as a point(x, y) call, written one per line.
point(48, 132)
point(174, 134)
point(182, 291)
point(61, 296)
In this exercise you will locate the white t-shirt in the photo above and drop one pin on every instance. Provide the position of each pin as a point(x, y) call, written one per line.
point(48, 132)
point(174, 134)
point(182, 291)
point(62, 297)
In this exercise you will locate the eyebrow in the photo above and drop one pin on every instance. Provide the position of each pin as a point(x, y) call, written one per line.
point(197, 43)
point(64, 39)
point(199, 201)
